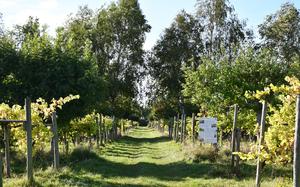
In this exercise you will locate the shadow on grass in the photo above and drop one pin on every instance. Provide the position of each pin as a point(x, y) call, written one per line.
point(177, 171)
point(136, 141)
point(78, 180)
point(132, 148)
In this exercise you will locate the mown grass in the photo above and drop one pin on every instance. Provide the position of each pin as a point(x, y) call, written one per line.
point(145, 158)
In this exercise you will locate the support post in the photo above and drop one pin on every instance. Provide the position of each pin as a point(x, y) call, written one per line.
point(98, 131)
point(7, 154)
point(171, 127)
point(238, 143)
point(104, 132)
point(261, 141)
point(184, 127)
point(177, 124)
point(296, 164)
point(101, 130)
point(193, 127)
point(123, 128)
point(55, 142)
point(181, 130)
point(28, 127)
point(233, 136)
point(114, 131)
point(1, 174)
point(175, 128)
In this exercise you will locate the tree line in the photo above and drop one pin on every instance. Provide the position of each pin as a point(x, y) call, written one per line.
point(96, 54)
point(203, 63)
point(206, 61)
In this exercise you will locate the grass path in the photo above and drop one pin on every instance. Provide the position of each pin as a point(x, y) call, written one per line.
point(143, 158)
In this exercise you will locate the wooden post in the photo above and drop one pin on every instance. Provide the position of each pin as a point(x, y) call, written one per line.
point(1, 174)
point(181, 130)
point(90, 141)
point(123, 128)
point(98, 131)
point(233, 136)
point(101, 130)
point(184, 127)
point(238, 140)
point(114, 128)
point(55, 142)
point(175, 128)
point(104, 132)
point(171, 127)
point(66, 144)
point(221, 137)
point(28, 127)
point(296, 164)
point(193, 127)
point(261, 141)
point(7, 155)
point(107, 134)
point(177, 124)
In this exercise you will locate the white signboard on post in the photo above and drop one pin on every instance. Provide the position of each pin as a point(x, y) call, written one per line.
point(208, 130)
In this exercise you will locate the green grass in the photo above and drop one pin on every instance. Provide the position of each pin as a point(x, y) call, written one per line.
point(144, 158)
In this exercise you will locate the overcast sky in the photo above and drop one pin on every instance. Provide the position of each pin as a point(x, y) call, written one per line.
point(159, 13)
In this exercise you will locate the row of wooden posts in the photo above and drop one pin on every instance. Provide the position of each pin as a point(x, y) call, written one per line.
point(27, 124)
point(175, 128)
point(104, 135)
point(28, 128)
point(296, 156)
point(296, 165)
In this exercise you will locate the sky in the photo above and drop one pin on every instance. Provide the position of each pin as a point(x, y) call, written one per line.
point(159, 13)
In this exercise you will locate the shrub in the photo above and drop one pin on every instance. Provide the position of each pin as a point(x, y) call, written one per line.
point(82, 153)
point(201, 152)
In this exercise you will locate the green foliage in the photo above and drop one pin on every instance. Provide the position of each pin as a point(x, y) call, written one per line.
point(281, 30)
point(117, 42)
point(82, 153)
point(41, 112)
point(145, 158)
point(200, 153)
point(279, 137)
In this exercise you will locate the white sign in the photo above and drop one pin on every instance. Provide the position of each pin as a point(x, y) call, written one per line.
point(208, 130)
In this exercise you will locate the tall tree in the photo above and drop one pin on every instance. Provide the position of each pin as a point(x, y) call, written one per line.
point(1, 25)
point(224, 33)
point(9, 60)
point(118, 44)
point(179, 46)
point(281, 32)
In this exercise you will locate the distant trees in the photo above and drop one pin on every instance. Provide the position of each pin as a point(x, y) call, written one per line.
point(281, 32)
point(97, 55)
point(213, 35)
point(202, 61)
point(117, 41)
point(180, 46)
point(208, 60)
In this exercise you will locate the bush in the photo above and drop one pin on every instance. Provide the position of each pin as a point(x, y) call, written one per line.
point(82, 153)
point(201, 152)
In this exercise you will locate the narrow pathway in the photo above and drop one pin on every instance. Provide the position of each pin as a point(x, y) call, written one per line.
point(146, 158)
point(143, 158)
